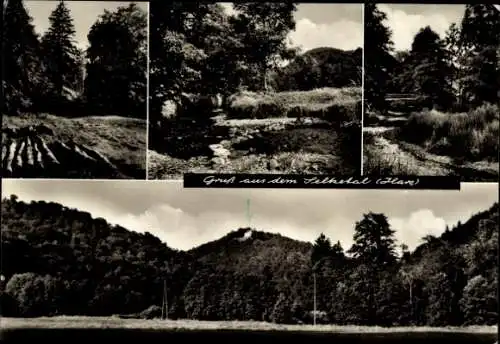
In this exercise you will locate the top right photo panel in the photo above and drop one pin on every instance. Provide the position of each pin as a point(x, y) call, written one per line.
point(431, 90)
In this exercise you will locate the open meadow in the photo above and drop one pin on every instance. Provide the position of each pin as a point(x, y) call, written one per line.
point(84, 322)
point(317, 131)
point(114, 329)
point(48, 146)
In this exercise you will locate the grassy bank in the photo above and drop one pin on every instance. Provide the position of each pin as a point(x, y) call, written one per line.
point(120, 140)
point(156, 324)
point(332, 104)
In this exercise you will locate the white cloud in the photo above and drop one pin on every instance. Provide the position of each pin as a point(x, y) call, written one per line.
point(418, 224)
point(182, 230)
point(344, 34)
point(405, 26)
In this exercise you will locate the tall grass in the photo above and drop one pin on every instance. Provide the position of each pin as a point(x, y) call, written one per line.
point(473, 135)
point(375, 163)
point(334, 104)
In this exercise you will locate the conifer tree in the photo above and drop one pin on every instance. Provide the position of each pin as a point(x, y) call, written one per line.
point(377, 50)
point(20, 56)
point(60, 53)
point(480, 32)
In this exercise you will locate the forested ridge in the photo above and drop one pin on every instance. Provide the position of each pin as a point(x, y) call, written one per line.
point(58, 260)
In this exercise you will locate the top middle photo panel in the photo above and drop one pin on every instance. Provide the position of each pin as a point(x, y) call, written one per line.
point(254, 88)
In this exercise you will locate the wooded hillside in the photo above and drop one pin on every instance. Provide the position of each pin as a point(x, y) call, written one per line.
point(62, 261)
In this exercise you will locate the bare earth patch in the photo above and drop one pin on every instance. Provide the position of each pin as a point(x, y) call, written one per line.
point(81, 322)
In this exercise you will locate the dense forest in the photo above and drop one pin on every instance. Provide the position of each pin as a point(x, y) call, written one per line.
point(58, 261)
point(458, 72)
point(203, 49)
point(50, 73)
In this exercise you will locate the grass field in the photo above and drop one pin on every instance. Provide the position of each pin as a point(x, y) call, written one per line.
point(434, 143)
point(85, 147)
point(290, 132)
point(81, 322)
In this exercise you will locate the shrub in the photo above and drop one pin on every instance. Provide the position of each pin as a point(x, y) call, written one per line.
point(472, 135)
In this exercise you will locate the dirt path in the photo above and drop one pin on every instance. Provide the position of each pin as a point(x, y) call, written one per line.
point(404, 158)
point(383, 155)
point(376, 130)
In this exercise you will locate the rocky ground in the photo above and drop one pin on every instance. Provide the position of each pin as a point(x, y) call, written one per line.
point(273, 145)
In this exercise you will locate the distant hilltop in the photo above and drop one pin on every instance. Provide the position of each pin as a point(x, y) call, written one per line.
point(321, 67)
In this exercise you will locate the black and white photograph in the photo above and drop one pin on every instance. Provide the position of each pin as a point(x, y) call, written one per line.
point(255, 88)
point(86, 259)
point(431, 89)
point(74, 79)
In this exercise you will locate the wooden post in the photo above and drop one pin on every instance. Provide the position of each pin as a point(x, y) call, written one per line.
point(163, 301)
point(314, 312)
point(166, 298)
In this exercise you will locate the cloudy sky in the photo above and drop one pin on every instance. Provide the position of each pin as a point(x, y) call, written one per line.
point(184, 218)
point(405, 20)
point(84, 14)
point(326, 25)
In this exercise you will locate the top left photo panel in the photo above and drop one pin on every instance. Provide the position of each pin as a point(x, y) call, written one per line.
point(75, 76)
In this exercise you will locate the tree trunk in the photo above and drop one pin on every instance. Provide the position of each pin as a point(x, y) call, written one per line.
point(265, 81)
point(411, 300)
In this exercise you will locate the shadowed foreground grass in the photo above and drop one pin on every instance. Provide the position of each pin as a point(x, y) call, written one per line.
point(81, 322)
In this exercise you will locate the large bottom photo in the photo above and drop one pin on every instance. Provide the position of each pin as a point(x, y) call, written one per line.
point(141, 260)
